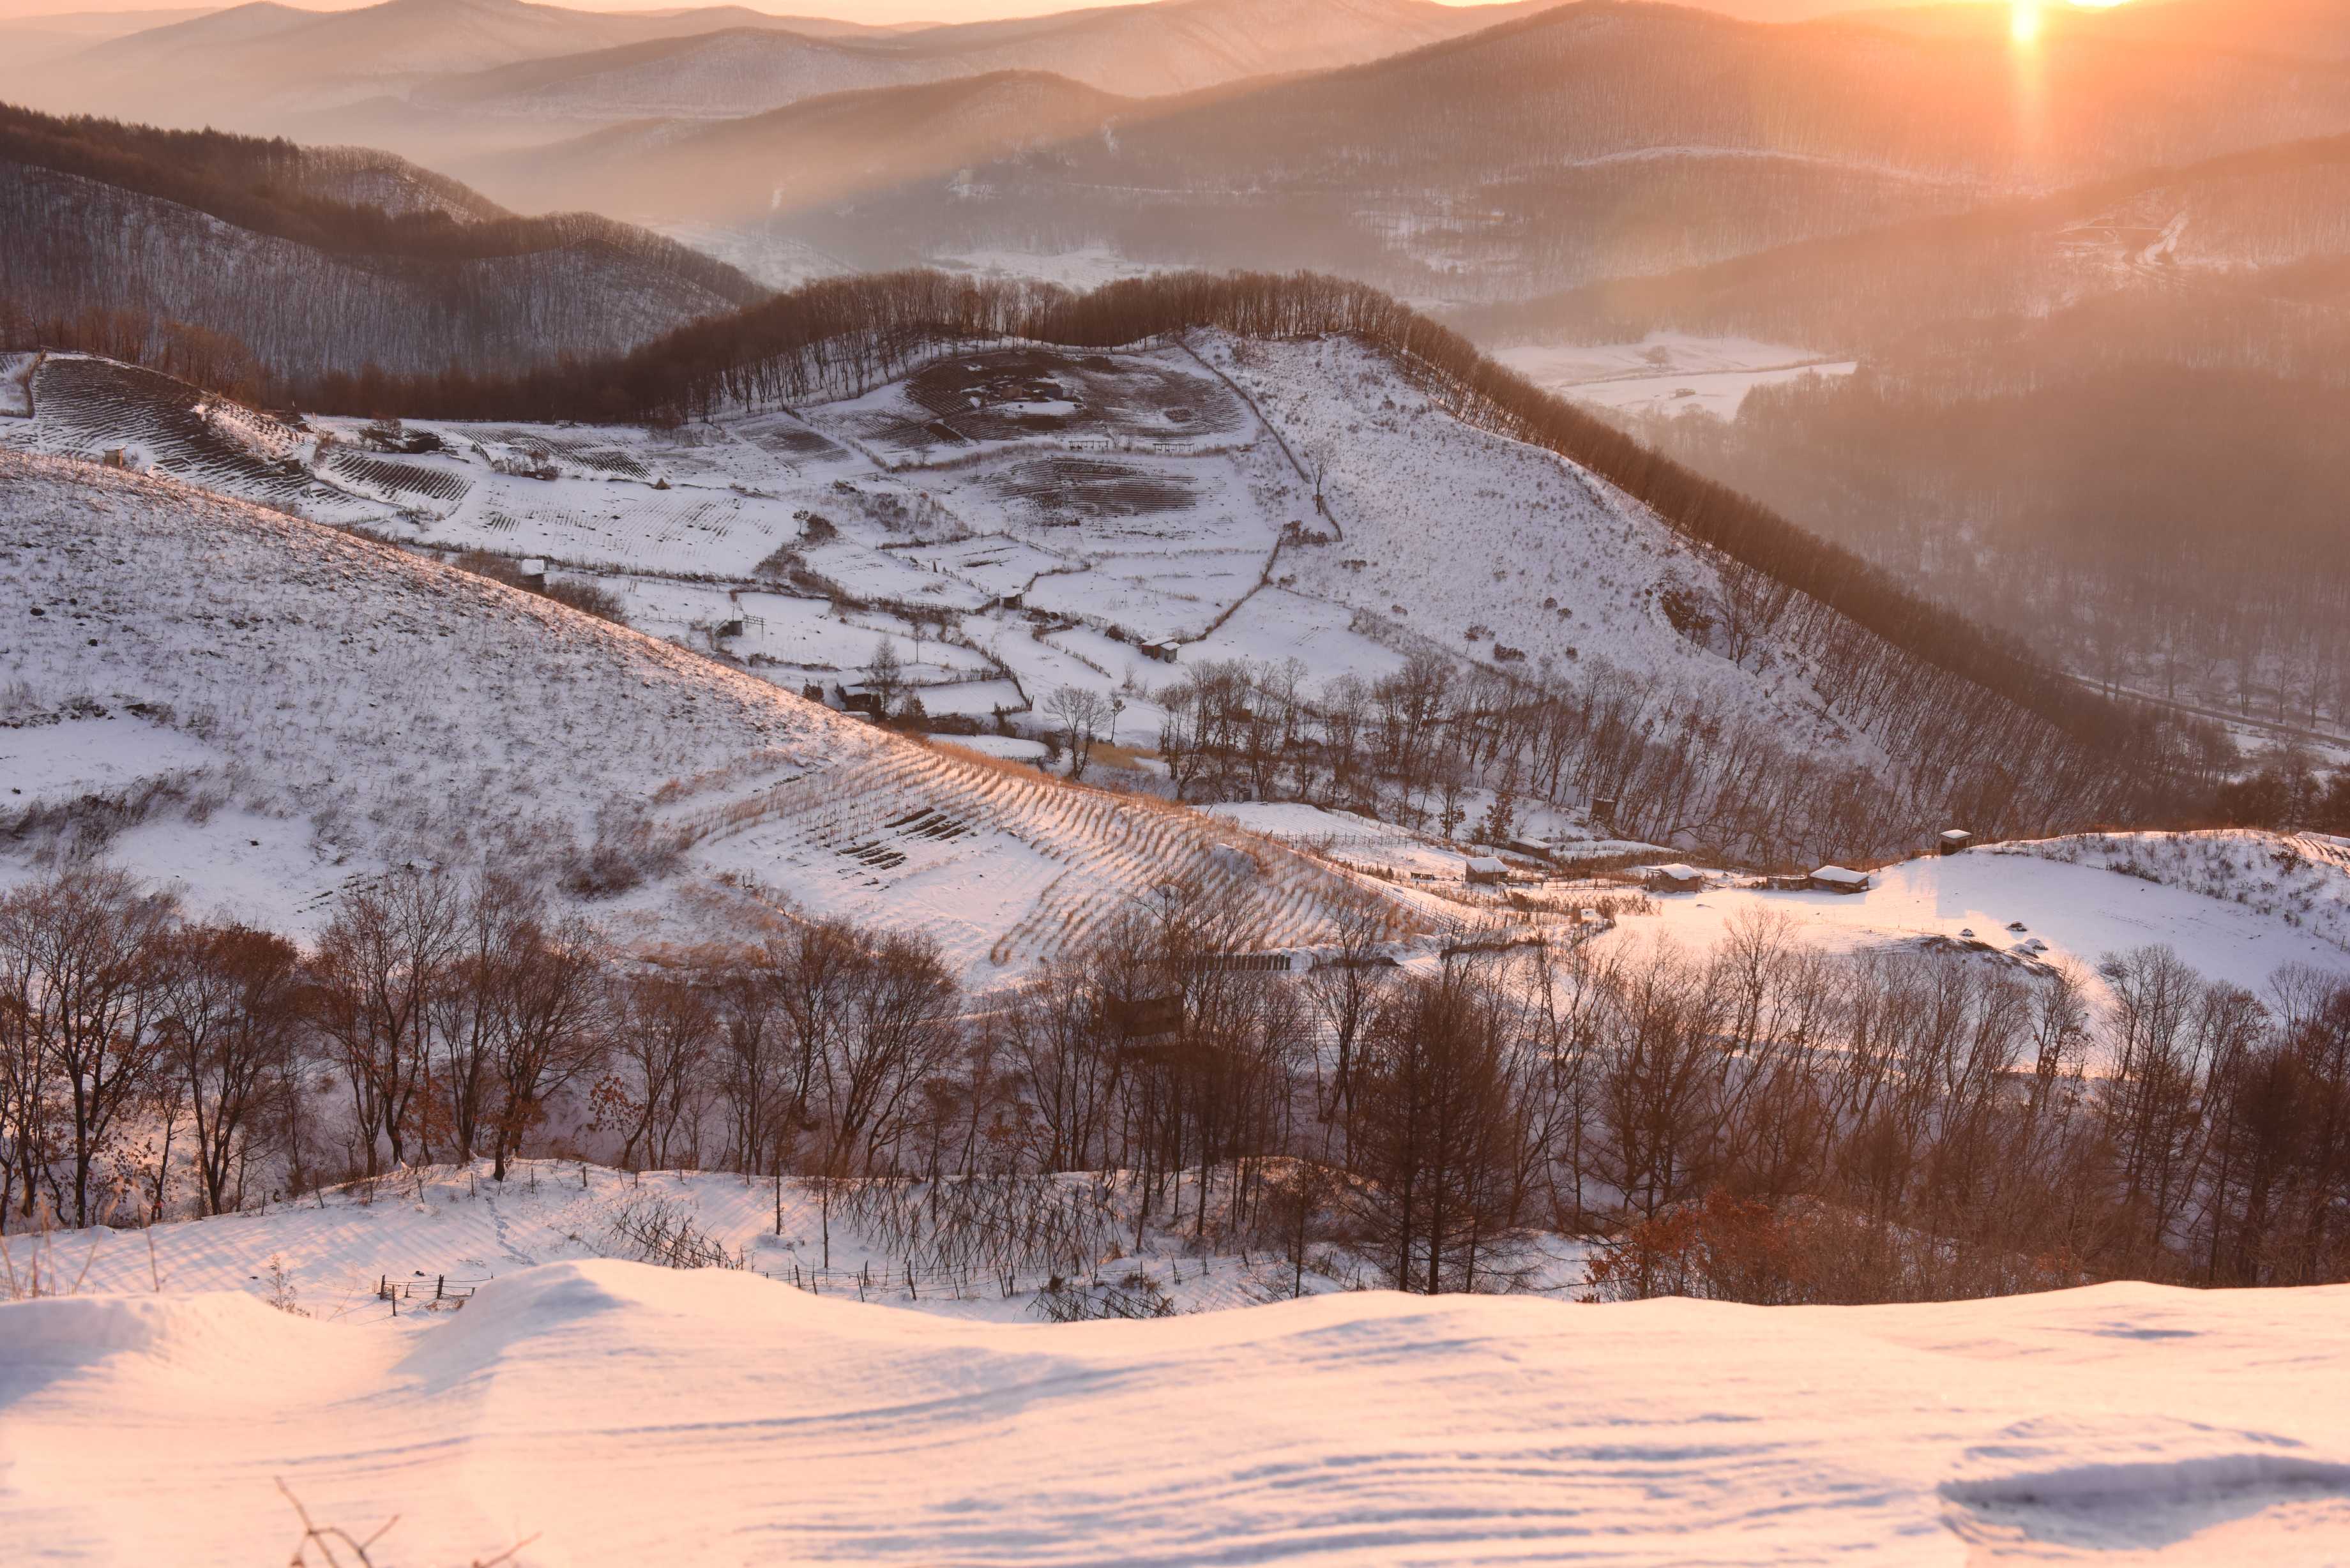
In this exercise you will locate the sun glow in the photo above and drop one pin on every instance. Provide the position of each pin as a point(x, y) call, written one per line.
point(2023, 26)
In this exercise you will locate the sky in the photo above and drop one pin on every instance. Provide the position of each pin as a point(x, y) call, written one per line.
point(881, 12)
point(885, 12)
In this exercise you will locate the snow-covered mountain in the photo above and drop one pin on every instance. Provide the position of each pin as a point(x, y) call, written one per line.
point(1048, 518)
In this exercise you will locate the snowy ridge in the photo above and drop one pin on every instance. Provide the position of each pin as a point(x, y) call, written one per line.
point(1039, 518)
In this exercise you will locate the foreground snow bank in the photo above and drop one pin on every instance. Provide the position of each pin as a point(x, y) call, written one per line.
point(626, 1415)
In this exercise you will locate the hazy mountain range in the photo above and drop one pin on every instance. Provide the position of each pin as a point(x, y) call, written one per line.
point(433, 78)
point(1591, 140)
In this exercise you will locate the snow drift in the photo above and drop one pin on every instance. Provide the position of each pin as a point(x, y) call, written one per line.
point(623, 1415)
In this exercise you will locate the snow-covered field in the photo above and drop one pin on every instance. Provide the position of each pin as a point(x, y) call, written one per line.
point(328, 1252)
point(1350, 840)
point(2035, 900)
point(258, 708)
point(609, 1413)
point(1006, 522)
point(1668, 372)
point(1052, 512)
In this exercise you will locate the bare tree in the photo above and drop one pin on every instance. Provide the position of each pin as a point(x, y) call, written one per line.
point(231, 1026)
point(378, 966)
point(84, 959)
point(899, 1031)
point(555, 1019)
point(667, 1025)
point(1083, 712)
point(1439, 1133)
point(885, 676)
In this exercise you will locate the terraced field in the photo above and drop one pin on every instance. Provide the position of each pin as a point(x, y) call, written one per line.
point(1091, 487)
point(86, 408)
point(394, 707)
point(601, 456)
point(1024, 394)
point(402, 484)
point(1001, 866)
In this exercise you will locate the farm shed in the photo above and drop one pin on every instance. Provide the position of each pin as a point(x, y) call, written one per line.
point(1674, 878)
point(1485, 868)
point(1955, 839)
point(1838, 879)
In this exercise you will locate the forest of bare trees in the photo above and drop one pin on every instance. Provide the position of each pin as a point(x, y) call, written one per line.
point(1759, 1122)
point(127, 238)
point(2173, 533)
point(2098, 421)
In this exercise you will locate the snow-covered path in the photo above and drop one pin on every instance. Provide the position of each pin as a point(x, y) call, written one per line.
point(624, 1414)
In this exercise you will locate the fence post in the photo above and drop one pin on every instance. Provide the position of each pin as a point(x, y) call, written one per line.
point(438, 1282)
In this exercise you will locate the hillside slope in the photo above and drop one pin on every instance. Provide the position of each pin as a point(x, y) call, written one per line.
point(2238, 221)
point(2103, 420)
point(2134, 1423)
point(1043, 518)
point(312, 260)
point(260, 706)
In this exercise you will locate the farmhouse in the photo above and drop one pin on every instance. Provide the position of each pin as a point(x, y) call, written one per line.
point(1838, 879)
point(1674, 878)
point(1486, 870)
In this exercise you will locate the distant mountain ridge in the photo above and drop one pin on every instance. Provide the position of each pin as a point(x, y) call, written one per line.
point(1138, 51)
point(1591, 140)
point(428, 77)
point(243, 67)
